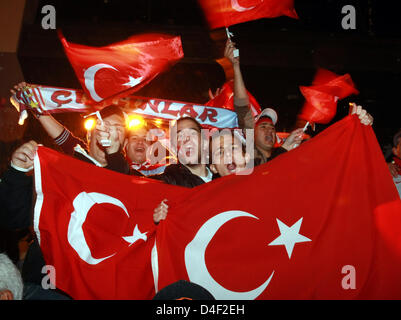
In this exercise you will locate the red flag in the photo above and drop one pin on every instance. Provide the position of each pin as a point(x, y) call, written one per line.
point(224, 13)
point(331, 83)
point(321, 98)
point(225, 99)
point(331, 231)
point(124, 67)
point(275, 235)
point(96, 228)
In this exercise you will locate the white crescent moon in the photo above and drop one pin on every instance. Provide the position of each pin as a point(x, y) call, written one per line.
point(196, 264)
point(89, 76)
point(235, 5)
point(82, 203)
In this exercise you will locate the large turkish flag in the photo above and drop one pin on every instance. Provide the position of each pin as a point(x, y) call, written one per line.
point(121, 68)
point(224, 13)
point(319, 222)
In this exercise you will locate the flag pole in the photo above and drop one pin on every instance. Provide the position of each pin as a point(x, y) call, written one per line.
point(229, 36)
point(229, 33)
point(306, 126)
point(304, 129)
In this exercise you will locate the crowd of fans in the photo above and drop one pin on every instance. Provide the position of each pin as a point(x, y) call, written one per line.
point(194, 157)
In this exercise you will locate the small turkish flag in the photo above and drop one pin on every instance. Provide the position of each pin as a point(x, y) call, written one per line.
point(224, 13)
point(322, 96)
point(121, 68)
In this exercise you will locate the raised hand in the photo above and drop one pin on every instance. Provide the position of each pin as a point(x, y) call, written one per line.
point(231, 52)
point(160, 213)
point(24, 155)
point(362, 114)
point(294, 139)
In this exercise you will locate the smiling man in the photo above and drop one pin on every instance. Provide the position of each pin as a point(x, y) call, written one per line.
point(137, 145)
point(138, 148)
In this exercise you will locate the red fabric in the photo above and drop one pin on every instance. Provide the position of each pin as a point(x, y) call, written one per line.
point(226, 99)
point(127, 274)
point(114, 66)
point(324, 183)
point(224, 13)
point(346, 210)
point(322, 96)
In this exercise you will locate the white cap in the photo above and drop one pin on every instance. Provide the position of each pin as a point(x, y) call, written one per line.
point(268, 112)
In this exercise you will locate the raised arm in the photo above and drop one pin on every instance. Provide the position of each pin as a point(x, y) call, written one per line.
point(241, 99)
point(51, 125)
point(61, 135)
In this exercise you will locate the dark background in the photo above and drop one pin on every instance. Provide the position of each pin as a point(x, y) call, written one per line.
point(277, 55)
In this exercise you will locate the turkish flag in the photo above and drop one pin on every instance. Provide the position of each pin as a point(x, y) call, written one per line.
point(121, 68)
point(314, 223)
point(224, 13)
point(225, 99)
point(322, 96)
point(96, 227)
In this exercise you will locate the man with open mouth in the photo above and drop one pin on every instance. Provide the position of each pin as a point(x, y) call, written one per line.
point(228, 154)
point(190, 171)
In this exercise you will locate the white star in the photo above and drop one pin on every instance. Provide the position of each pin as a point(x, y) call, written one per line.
point(289, 236)
point(133, 81)
point(136, 236)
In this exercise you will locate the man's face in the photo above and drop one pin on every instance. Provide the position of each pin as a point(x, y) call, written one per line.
point(265, 134)
point(227, 155)
point(117, 126)
point(137, 145)
point(188, 142)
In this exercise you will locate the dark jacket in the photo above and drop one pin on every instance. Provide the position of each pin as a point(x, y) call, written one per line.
point(179, 175)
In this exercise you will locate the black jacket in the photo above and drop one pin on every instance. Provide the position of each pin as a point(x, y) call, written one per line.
point(179, 175)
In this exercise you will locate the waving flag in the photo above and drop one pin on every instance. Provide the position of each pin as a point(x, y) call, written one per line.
point(124, 67)
point(224, 13)
point(238, 237)
point(226, 99)
point(322, 96)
